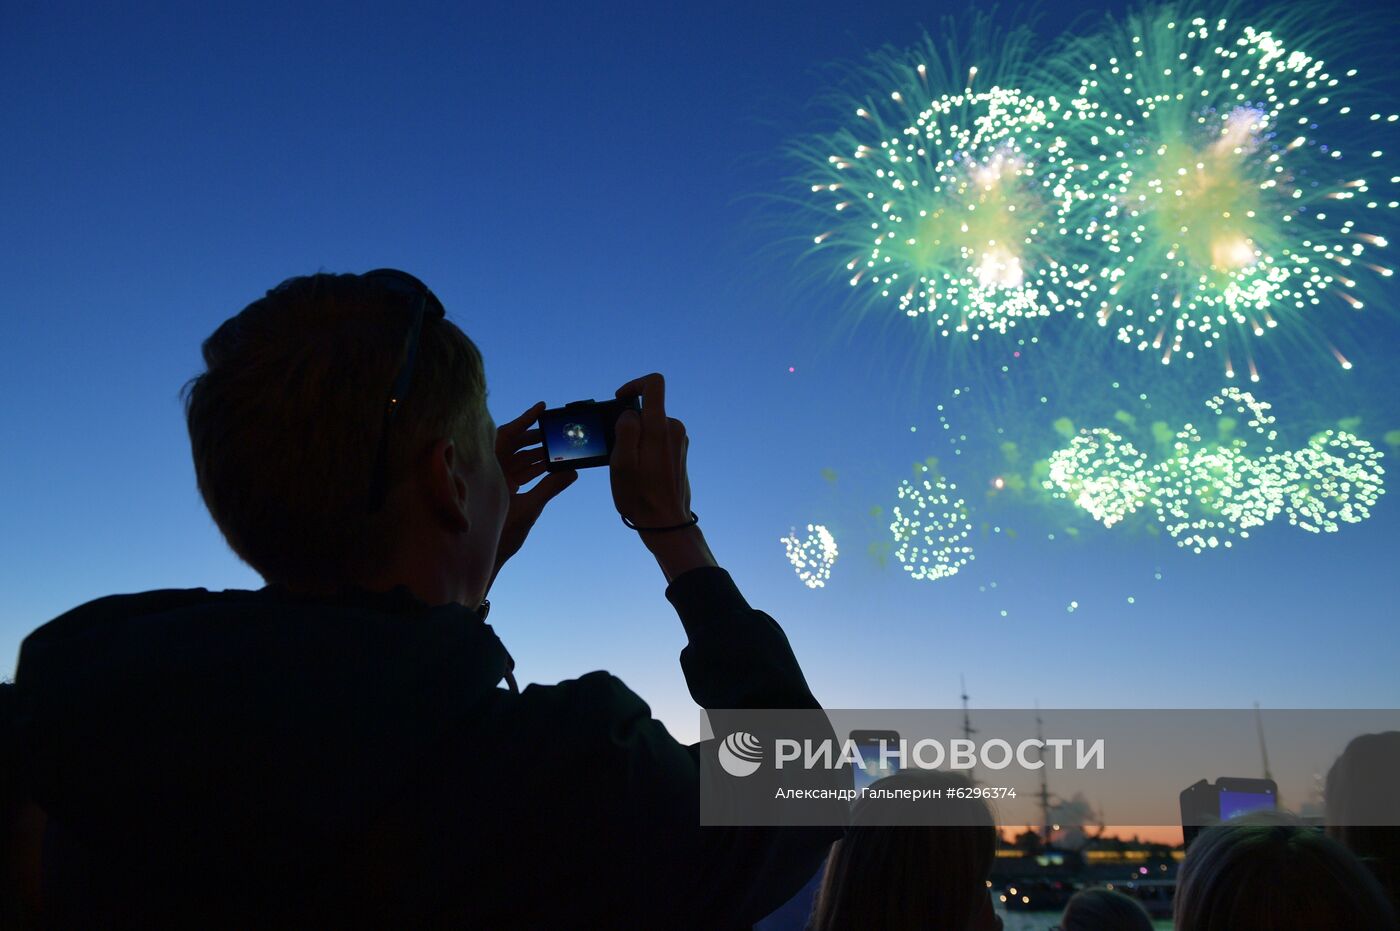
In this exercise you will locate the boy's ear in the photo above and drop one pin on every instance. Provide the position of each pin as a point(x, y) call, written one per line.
point(447, 485)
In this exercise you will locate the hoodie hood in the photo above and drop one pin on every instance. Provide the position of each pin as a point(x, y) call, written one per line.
point(190, 733)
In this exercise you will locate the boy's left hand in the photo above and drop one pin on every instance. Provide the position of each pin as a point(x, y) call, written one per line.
point(522, 461)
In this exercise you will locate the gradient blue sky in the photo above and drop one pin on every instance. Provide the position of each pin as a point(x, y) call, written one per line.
point(577, 183)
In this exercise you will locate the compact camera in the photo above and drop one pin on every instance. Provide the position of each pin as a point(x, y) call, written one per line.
point(581, 434)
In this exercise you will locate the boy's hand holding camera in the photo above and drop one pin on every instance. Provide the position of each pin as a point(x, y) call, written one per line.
point(650, 485)
point(521, 463)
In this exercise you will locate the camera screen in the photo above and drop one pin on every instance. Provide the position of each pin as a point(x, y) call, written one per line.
point(874, 768)
point(574, 434)
point(1237, 803)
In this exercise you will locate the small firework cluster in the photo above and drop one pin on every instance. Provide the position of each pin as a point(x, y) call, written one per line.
point(811, 556)
point(1205, 492)
point(931, 529)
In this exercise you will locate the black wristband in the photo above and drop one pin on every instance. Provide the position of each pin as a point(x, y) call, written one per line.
point(690, 523)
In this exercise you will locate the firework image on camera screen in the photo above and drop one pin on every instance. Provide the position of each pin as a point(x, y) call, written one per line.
point(576, 435)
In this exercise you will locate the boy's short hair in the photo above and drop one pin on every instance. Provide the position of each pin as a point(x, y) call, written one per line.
point(286, 419)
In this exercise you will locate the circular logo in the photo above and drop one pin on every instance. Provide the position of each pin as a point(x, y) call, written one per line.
point(740, 754)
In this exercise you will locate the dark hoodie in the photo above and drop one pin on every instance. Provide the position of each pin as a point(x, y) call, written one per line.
point(263, 759)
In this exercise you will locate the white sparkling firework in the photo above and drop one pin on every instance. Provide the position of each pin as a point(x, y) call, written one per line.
point(1336, 479)
point(1102, 473)
point(931, 529)
point(811, 556)
point(1207, 492)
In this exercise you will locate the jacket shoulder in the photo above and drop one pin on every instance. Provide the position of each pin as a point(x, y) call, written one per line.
point(593, 696)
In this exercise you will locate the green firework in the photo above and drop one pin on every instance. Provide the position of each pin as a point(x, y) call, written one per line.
point(1102, 473)
point(944, 193)
point(1221, 204)
point(1215, 485)
point(1336, 479)
point(1208, 491)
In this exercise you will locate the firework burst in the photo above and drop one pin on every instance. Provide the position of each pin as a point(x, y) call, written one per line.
point(811, 556)
point(1209, 491)
point(1336, 479)
point(1205, 492)
point(1222, 205)
point(944, 195)
point(931, 529)
point(1102, 473)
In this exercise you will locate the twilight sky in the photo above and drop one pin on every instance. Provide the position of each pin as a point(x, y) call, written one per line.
point(588, 189)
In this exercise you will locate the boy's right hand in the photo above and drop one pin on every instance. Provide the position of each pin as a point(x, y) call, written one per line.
point(650, 485)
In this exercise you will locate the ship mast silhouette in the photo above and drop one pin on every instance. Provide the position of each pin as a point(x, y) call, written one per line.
point(1044, 781)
